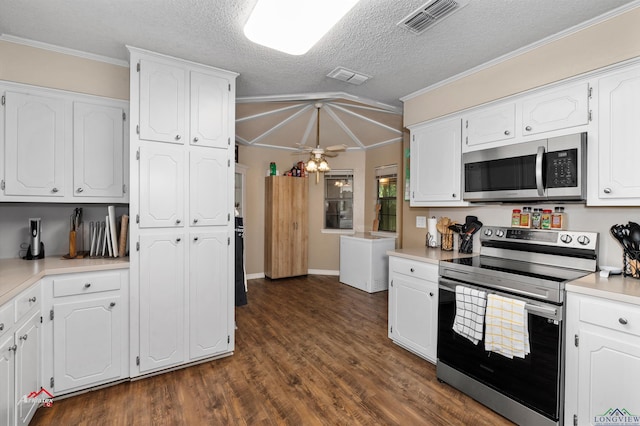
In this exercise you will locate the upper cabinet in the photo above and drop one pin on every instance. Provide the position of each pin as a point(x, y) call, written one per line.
point(615, 179)
point(492, 124)
point(435, 164)
point(62, 147)
point(209, 110)
point(556, 109)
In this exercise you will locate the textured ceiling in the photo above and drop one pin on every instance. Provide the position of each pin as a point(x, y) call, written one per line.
point(367, 40)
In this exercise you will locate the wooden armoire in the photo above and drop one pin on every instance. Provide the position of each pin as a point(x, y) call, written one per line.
point(285, 226)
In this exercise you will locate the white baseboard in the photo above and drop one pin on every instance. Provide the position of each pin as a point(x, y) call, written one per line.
point(311, 272)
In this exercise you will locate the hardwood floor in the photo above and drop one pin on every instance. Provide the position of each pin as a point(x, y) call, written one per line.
point(309, 351)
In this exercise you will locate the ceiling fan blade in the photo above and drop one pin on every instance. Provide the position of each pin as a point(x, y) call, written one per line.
point(330, 154)
point(336, 148)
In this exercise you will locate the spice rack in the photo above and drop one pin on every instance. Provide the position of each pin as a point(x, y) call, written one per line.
point(538, 218)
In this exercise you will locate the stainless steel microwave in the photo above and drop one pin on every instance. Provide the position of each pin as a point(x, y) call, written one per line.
point(547, 169)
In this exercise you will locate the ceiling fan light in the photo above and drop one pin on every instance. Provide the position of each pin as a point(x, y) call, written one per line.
point(323, 166)
point(311, 166)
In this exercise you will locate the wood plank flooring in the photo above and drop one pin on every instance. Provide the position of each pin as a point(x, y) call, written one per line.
point(309, 351)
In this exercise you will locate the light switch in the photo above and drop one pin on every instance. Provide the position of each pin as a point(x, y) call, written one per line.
point(421, 221)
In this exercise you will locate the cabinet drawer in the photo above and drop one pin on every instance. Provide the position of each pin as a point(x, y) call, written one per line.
point(422, 270)
point(6, 318)
point(27, 300)
point(70, 285)
point(614, 315)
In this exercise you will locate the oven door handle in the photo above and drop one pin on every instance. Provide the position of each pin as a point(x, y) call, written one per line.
point(541, 309)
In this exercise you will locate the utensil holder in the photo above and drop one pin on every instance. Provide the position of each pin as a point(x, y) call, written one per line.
point(631, 264)
point(465, 244)
point(446, 242)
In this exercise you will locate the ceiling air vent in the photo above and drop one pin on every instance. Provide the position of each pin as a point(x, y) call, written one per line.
point(430, 14)
point(344, 74)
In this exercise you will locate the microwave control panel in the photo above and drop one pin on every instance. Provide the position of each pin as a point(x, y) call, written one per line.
point(562, 168)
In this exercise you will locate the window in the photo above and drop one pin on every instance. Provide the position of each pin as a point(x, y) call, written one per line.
point(387, 185)
point(338, 199)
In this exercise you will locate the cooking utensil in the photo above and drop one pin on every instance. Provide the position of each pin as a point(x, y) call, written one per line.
point(466, 244)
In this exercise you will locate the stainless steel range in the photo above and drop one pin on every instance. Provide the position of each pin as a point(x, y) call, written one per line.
point(529, 268)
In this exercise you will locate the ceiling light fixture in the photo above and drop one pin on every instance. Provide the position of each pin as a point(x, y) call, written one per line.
point(317, 163)
point(294, 26)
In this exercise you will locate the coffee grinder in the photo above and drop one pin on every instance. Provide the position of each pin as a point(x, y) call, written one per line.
point(36, 247)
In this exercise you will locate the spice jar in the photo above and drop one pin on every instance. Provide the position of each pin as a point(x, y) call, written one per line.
point(557, 218)
point(525, 217)
point(515, 218)
point(545, 219)
point(536, 218)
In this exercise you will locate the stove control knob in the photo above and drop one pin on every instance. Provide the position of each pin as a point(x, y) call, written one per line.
point(499, 233)
point(584, 240)
point(566, 238)
point(488, 232)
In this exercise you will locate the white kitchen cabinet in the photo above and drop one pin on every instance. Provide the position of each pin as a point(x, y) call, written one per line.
point(364, 263)
point(208, 294)
point(162, 296)
point(435, 164)
point(489, 124)
point(209, 110)
point(602, 359)
point(413, 306)
point(35, 136)
point(162, 101)
point(98, 150)
point(208, 185)
point(27, 366)
point(553, 109)
point(617, 181)
point(7, 380)
point(86, 330)
point(162, 186)
point(182, 311)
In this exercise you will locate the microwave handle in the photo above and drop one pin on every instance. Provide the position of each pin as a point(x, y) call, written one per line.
point(539, 182)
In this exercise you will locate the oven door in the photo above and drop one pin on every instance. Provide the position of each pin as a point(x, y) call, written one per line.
point(534, 381)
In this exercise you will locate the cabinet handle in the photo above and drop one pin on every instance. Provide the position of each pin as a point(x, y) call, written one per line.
point(178, 137)
point(87, 285)
point(1, 326)
point(431, 293)
point(507, 133)
point(178, 240)
point(195, 140)
point(54, 190)
point(13, 348)
point(528, 128)
point(607, 190)
point(32, 299)
point(195, 220)
point(112, 304)
point(453, 195)
point(623, 321)
point(79, 190)
point(24, 337)
point(178, 221)
point(195, 238)
point(412, 270)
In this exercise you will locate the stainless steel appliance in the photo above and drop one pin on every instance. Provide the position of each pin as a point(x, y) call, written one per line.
point(36, 246)
point(527, 265)
point(548, 169)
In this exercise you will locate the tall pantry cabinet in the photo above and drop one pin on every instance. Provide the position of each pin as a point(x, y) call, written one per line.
point(286, 230)
point(181, 206)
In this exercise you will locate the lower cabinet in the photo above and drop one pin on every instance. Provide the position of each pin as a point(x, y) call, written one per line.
point(602, 361)
point(413, 306)
point(87, 337)
point(20, 357)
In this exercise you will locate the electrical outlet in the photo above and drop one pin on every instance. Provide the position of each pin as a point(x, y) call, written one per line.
point(421, 221)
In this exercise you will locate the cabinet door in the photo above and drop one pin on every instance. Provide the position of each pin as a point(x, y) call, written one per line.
point(162, 301)
point(435, 163)
point(162, 102)
point(98, 150)
point(493, 124)
point(208, 187)
point(619, 133)
point(34, 145)
point(556, 109)
point(300, 228)
point(162, 187)
point(209, 110)
point(28, 365)
point(7, 375)
point(413, 314)
point(87, 342)
point(609, 373)
point(208, 297)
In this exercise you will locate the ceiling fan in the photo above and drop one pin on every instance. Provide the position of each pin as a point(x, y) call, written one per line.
point(317, 162)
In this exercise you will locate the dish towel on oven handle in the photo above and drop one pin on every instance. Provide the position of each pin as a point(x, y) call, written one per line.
point(507, 328)
point(470, 310)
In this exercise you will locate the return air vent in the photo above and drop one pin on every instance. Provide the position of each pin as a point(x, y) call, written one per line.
point(349, 76)
point(429, 14)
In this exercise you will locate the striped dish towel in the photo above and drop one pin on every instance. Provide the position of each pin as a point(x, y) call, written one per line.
point(507, 330)
point(470, 309)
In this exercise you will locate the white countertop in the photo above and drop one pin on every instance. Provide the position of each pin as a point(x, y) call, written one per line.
point(615, 287)
point(427, 254)
point(17, 275)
